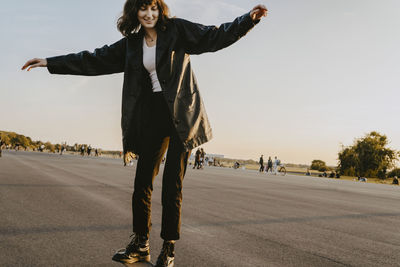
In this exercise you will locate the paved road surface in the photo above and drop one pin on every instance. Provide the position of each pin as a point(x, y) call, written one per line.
point(72, 211)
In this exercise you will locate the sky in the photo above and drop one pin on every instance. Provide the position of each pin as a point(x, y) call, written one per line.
point(309, 78)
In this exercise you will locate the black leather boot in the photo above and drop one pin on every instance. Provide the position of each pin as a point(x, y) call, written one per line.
point(137, 250)
point(167, 255)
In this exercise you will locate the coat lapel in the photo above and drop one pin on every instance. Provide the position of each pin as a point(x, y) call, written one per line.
point(137, 52)
point(162, 46)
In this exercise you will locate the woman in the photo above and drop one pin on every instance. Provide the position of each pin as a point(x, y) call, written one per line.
point(161, 105)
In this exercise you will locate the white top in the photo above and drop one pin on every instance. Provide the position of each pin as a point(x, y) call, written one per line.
point(149, 62)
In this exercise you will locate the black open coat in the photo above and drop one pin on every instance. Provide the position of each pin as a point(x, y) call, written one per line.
point(175, 43)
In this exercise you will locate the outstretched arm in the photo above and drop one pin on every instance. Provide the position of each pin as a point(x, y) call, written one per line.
point(198, 38)
point(104, 60)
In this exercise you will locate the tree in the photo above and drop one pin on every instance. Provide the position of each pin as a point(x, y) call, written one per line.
point(348, 161)
point(368, 157)
point(22, 141)
point(318, 165)
point(49, 146)
point(5, 138)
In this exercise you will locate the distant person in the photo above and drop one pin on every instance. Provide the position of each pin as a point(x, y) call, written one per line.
point(202, 157)
point(277, 163)
point(83, 150)
point(197, 159)
point(96, 152)
point(362, 179)
point(261, 162)
point(89, 150)
point(269, 165)
point(161, 104)
point(308, 173)
point(236, 165)
point(395, 180)
point(332, 174)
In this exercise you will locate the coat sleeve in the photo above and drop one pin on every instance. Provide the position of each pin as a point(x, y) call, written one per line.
point(104, 60)
point(199, 38)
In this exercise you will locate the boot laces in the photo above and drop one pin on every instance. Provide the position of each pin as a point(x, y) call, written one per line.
point(167, 251)
point(132, 246)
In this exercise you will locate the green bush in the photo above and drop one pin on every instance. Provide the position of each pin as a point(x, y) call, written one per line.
point(323, 169)
point(318, 165)
point(393, 173)
point(351, 171)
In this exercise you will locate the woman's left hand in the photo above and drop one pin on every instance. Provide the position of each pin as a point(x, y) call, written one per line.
point(258, 11)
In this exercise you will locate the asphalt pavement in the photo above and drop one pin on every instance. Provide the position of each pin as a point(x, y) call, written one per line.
point(65, 210)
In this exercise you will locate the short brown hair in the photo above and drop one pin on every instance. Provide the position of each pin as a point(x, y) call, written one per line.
point(129, 23)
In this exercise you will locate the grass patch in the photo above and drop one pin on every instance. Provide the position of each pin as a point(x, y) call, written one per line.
point(295, 170)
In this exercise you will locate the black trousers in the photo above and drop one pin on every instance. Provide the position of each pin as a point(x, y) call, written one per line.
point(159, 134)
point(261, 167)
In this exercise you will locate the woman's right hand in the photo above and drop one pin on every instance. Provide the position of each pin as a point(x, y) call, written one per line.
point(35, 62)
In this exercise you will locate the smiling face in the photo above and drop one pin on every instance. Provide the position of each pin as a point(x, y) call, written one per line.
point(148, 15)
